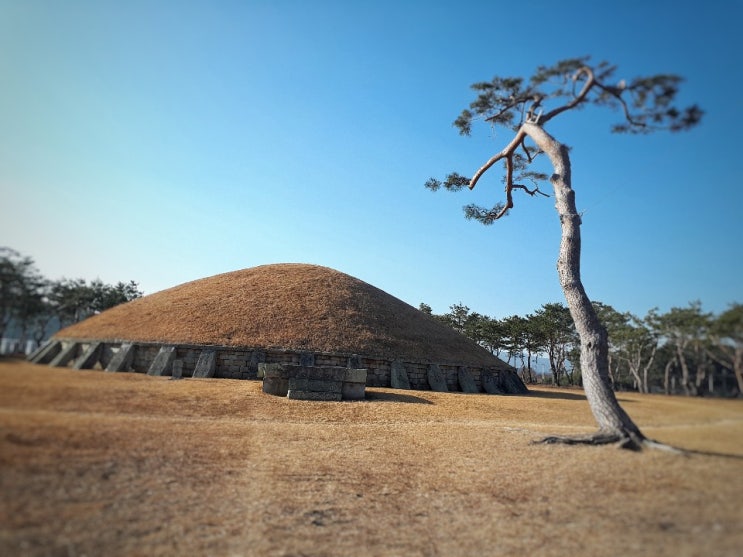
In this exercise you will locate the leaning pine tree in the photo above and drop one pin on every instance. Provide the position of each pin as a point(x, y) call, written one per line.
point(646, 104)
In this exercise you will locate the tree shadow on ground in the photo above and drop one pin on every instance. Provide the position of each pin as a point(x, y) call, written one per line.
point(395, 397)
point(694, 452)
point(556, 394)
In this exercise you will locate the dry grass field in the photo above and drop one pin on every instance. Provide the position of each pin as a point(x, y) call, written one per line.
point(95, 463)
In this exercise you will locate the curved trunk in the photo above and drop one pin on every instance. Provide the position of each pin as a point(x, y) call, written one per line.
point(611, 418)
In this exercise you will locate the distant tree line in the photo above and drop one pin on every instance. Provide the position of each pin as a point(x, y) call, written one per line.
point(34, 306)
point(684, 350)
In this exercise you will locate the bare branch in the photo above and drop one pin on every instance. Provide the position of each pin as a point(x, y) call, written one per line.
point(507, 152)
point(526, 151)
point(533, 192)
point(590, 82)
point(617, 94)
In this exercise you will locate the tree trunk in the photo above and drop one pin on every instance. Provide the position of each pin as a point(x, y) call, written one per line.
point(635, 372)
point(667, 375)
point(614, 423)
point(738, 369)
point(686, 383)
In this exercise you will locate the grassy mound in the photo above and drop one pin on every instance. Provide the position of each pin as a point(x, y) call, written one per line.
point(291, 306)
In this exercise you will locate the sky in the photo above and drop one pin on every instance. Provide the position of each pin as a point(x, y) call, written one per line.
point(164, 142)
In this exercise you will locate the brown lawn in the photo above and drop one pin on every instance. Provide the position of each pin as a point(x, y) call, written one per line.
point(95, 463)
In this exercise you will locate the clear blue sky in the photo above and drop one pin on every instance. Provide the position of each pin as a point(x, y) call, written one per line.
point(168, 141)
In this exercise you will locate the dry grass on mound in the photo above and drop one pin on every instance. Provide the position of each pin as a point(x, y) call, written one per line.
point(296, 306)
point(95, 463)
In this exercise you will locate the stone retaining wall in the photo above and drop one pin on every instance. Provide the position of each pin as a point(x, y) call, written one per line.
point(242, 363)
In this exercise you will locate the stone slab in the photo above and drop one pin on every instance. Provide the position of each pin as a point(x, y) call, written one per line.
point(306, 359)
point(299, 384)
point(122, 359)
point(45, 353)
point(256, 358)
point(65, 355)
point(177, 372)
point(320, 386)
point(262, 370)
point(437, 379)
point(355, 376)
point(353, 391)
point(512, 384)
point(325, 373)
point(398, 376)
point(313, 395)
point(491, 382)
point(89, 358)
point(277, 386)
point(466, 381)
point(206, 364)
point(163, 361)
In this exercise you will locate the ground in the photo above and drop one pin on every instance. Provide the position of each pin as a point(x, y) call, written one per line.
point(95, 463)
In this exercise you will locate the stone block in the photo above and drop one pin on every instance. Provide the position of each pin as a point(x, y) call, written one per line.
point(466, 381)
point(275, 386)
point(275, 370)
point(177, 372)
point(320, 386)
point(206, 364)
point(46, 352)
point(512, 384)
point(327, 373)
point(398, 376)
point(354, 362)
point(306, 359)
point(163, 361)
point(436, 379)
point(122, 360)
point(491, 382)
point(89, 358)
point(355, 376)
point(299, 384)
point(353, 391)
point(66, 355)
point(314, 395)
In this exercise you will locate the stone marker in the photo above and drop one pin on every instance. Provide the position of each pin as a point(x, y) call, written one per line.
point(436, 379)
point(491, 382)
point(354, 384)
point(122, 359)
point(275, 378)
point(206, 364)
point(466, 381)
point(398, 376)
point(89, 358)
point(177, 372)
point(163, 361)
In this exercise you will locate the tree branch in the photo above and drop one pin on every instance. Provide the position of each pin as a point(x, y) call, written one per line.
point(590, 82)
point(507, 152)
point(616, 93)
point(533, 192)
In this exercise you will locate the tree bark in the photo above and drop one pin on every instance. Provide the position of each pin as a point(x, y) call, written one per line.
point(614, 423)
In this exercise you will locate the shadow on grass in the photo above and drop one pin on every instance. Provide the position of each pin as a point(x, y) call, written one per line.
point(395, 397)
point(557, 395)
point(693, 452)
point(570, 396)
